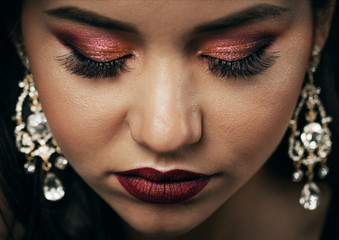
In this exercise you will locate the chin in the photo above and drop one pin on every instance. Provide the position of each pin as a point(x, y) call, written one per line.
point(163, 227)
point(163, 220)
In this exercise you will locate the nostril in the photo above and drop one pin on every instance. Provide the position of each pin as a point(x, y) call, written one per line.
point(164, 136)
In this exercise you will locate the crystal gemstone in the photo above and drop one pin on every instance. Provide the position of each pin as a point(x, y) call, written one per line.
point(312, 136)
point(298, 151)
point(29, 167)
point(24, 142)
point(310, 196)
point(61, 163)
point(311, 159)
point(323, 171)
point(37, 126)
point(44, 152)
point(53, 188)
point(298, 176)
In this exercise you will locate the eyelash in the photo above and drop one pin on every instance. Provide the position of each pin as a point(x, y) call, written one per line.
point(83, 66)
point(251, 65)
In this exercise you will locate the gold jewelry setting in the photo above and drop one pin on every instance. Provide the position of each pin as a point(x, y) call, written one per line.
point(34, 139)
point(311, 146)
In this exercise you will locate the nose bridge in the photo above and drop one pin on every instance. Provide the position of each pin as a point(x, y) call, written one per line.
point(167, 116)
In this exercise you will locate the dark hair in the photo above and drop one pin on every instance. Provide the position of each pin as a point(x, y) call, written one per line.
point(82, 214)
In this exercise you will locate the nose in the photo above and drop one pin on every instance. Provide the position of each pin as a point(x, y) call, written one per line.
point(166, 116)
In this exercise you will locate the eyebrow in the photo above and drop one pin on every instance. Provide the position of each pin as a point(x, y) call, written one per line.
point(253, 14)
point(90, 18)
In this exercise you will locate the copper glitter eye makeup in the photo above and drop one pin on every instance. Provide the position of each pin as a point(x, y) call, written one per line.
point(240, 58)
point(93, 55)
point(104, 55)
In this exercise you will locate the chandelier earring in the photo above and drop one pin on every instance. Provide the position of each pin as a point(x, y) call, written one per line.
point(34, 138)
point(309, 146)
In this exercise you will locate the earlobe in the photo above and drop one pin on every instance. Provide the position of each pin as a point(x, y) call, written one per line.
point(322, 23)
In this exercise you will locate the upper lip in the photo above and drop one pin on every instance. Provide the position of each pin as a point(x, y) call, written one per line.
point(157, 176)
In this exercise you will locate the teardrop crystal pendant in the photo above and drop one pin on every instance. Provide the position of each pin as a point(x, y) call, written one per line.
point(53, 188)
point(310, 196)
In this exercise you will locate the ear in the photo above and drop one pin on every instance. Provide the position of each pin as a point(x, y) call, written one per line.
point(323, 19)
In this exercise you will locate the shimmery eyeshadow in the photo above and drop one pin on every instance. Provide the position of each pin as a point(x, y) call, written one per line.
point(101, 47)
point(235, 48)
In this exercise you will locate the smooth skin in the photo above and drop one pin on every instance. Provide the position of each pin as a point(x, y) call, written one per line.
point(169, 112)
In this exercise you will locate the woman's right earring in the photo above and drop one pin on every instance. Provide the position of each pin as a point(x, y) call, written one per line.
point(34, 139)
point(312, 145)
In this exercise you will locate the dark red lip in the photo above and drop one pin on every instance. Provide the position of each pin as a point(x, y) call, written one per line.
point(150, 185)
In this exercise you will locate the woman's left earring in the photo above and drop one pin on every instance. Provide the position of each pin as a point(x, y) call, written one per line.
point(310, 146)
point(34, 138)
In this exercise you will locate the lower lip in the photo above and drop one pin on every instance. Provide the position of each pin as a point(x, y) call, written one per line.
point(162, 192)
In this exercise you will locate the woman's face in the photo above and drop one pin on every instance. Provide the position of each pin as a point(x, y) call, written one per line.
point(202, 86)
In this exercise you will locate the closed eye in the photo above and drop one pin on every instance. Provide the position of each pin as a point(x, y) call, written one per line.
point(78, 64)
point(251, 65)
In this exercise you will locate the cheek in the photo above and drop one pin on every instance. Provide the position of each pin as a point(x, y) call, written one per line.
point(85, 119)
point(250, 124)
point(250, 116)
